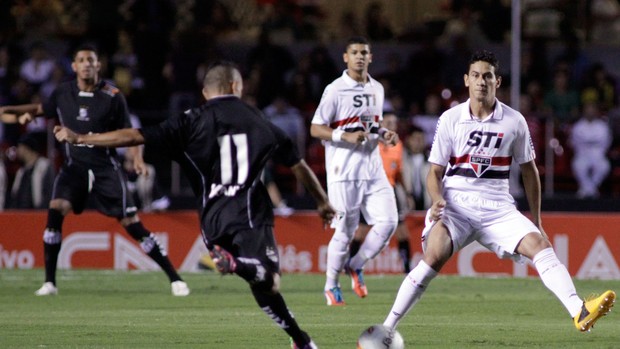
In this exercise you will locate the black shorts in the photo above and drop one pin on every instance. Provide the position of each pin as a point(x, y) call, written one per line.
point(257, 243)
point(106, 186)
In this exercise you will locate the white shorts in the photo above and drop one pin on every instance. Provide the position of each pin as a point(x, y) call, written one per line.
point(373, 198)
point(496, 225)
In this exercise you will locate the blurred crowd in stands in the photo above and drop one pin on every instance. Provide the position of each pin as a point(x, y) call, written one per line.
point(156, 52)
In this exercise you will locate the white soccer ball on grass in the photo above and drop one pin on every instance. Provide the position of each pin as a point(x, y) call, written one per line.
point(380, 337)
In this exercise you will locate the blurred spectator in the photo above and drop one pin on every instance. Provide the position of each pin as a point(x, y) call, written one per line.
point(280, 22)
point(180, 71)
point(125, 68)
point(213, 18)
point(534, 123)
point(599, 87)
point(590, 139)
point(456, 60)
point(38, 67)
point(3, 182)
point(5, 74)
point(425, 67)
point(146, 191)
point(34, 180)
point(58, 76)
point(415, 168)
point(378, 27)
point(392, 76)
point(562, 100)
point(427, 120)
point(268, 66)
point(348, 25)
point(495, 18)
point(288, 119)
point(541, 19)
point(604, 21)
point(280, 207)
point(463, 22)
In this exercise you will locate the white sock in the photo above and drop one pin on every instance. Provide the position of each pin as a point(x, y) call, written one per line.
point(336, 255)
point(409, 293)
point(557, 279)
point(377, 238)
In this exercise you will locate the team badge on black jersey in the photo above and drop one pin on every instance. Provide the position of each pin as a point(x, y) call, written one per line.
point(83, 114)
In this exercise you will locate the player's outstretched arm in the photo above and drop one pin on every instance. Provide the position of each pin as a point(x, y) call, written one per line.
point(119, 138)
point(304, 174)
point(22, 114)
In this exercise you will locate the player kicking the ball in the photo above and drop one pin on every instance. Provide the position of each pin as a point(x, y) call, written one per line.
point(475, 143)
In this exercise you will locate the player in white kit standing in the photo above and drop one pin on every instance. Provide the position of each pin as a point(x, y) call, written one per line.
point(475, 143)
point(348, 121)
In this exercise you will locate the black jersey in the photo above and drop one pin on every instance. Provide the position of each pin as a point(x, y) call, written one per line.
point(222, 147)
point(102, 110)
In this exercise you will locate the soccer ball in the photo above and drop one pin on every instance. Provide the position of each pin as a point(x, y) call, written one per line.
point(380, 337)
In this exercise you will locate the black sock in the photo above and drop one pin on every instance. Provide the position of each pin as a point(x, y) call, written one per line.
point(52, 240)
point(50, 252)
point(152, 248)
point(354, 247)
point(405, 252)
point(275, 307)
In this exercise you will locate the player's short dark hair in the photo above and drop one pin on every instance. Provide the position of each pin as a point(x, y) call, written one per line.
point(85, 47)
point(356, 40)
point(220, 73)
point(484, 56)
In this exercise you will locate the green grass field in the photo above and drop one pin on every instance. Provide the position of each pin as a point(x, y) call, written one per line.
point(109, 309)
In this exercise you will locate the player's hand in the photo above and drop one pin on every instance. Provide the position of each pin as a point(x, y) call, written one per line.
point(24, 118)
point(140, 167)
point(437, 209)
point(357, 137)
point(327, 212)
point(64, 134)
point(390, 137)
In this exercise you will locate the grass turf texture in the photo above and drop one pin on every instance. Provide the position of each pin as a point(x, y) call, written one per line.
point(113, 309)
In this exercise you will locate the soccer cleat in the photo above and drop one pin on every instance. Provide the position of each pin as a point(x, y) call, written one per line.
point(357, 281)
point(334, 296)
point(48, 289)
point(593, 309)
point(179, 288)
point(224, 261)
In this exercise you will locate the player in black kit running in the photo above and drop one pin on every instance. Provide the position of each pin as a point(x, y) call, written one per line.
point(223, 146)
point(89, 104)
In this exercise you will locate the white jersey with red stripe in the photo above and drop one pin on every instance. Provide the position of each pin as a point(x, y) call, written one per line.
point(352, 106)
point(478, 153)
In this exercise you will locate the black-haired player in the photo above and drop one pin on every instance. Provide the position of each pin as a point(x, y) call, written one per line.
point(89, 104)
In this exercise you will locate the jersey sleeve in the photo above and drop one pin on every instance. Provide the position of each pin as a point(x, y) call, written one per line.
point(286, 153)
point(170, 134)
point(327, 107)
point(523, 147)
point(441, 149)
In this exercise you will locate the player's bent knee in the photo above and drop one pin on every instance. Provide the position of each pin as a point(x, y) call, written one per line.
point(270, 284)
point(61, 205)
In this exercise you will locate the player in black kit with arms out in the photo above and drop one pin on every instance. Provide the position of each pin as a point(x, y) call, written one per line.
point(89, 104)
point(222, 147)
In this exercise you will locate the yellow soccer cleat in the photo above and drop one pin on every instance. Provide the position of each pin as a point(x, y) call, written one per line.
point(593, 309)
